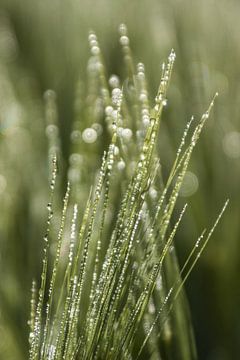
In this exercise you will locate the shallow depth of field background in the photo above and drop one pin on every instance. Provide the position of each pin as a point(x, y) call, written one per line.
point(43, 44)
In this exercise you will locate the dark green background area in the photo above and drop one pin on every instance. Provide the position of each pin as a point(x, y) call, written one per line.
point(43, 44)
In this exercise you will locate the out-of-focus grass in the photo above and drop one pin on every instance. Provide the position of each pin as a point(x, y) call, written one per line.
point(43, 45)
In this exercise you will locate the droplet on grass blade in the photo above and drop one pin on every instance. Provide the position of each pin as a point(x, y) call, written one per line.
point(126, 134)
point(89, 135)
point(108, 110)
point(121, 165)
point(114, 81)
point(124, 40)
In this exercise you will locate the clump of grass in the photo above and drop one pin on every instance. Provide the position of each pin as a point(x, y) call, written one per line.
point(110, 280)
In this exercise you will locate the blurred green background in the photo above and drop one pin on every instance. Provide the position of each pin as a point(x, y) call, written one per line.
point(43, 44)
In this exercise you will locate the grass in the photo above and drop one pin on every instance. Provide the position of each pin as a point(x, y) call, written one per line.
point(111, 287)
point(44, 46)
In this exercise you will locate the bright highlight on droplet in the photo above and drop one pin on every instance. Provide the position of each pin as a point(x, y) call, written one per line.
point(190, 184)
point(89, 135)
point(231, 144)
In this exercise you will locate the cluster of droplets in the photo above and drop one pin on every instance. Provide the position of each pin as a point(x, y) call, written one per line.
point(96, 66)
point(185, 133)
point(124, 39)
point(73, 234)
point(93, 42)
point(160, 99)
point(36, 329)
point(74, 171)
point(116, 97)
point(33, 305)
point(88, 136)
point(106, 167)
point(125, 43)
point(126, 134)
point(52, 130)
point(51, 352)
point(49, 205)
point(133, 225)
point(143, 95)
point(110, 160)
point(75, 135)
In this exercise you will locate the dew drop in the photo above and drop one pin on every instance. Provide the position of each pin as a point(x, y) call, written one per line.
point(95, 50)
point(108, 110)
point(124, 40)
point(123, 29)
point(89, 135)
point(127, 134)
point(114, 81)
point(121, 165)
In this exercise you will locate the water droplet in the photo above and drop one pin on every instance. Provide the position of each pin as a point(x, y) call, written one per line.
point(172, 56)
point(127, 134)
point(146, 120)
point(89, 135)
point(121, 165)
point(95, 50)
point(141, 75)
point(92, 37)
point(124, 40)
point(123, 29)
point(116, 92)
point(143, 97)
point(116, 150)
point(114, 81)
point(108, 110)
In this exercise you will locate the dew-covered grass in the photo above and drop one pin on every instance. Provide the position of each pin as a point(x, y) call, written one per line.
point(111, 286)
